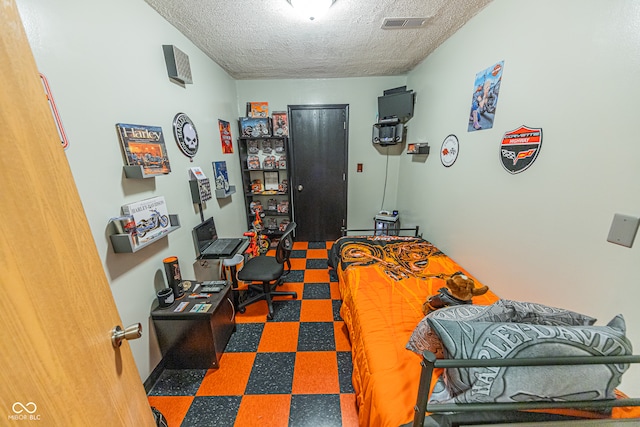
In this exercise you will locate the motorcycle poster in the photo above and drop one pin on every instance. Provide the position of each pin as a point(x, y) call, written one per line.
point(151, 218)
point(485, 97)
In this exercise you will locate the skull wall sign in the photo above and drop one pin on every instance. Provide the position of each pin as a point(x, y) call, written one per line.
point(186, 135)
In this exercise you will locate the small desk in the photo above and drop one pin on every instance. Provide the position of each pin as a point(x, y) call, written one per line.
point(190, 340)
point(201, 264)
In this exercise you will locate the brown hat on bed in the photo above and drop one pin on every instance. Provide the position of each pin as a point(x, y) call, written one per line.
point(460, 289)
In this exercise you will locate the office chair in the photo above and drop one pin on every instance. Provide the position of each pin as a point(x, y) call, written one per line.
point(270, 271)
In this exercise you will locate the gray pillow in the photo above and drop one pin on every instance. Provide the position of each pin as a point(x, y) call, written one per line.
point(530, 312)
point(424, 338)
point(484, 340)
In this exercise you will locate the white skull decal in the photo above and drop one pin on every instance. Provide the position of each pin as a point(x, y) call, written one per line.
point(190, 136)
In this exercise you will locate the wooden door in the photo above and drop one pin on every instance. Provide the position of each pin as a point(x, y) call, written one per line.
point(319, 170)
point(58, 366)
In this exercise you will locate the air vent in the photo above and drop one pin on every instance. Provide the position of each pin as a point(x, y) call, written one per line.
point(178, 67)
point(403, 23)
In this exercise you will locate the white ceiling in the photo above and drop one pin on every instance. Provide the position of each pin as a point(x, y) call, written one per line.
point(266, 39)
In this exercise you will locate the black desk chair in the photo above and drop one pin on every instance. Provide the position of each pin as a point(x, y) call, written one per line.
point(270, 271)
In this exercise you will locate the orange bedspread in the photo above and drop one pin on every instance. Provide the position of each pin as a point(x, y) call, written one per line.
point(383, 283)
point(382, 304)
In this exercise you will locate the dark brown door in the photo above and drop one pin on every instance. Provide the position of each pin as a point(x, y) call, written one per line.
point(318, 136)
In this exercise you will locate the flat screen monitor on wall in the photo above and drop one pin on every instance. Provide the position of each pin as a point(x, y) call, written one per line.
point(399, 105)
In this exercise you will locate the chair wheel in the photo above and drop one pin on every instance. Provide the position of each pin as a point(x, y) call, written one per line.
point(242, 310)
point(295, 295)
point(269, 316)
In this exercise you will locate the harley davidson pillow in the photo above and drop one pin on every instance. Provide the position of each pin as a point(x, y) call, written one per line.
point(485, 340)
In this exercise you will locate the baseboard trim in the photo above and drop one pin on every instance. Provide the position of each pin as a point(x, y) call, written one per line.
point(154, 376)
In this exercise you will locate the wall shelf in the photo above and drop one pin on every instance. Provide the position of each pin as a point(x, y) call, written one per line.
point(222, 194)
point(137, 172)
point(125, 243)
point(418, 148)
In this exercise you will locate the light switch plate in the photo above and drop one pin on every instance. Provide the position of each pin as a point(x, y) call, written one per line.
point(623, 230)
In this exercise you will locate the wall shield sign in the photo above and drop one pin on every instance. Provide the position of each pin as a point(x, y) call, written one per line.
point(520, 148)
point(185, 134)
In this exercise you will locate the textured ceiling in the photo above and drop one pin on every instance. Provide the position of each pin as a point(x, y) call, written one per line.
point(266, 39)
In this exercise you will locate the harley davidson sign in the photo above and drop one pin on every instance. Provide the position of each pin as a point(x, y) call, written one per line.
point(520, 148)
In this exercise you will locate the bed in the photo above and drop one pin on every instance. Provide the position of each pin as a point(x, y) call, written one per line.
point(384, 281)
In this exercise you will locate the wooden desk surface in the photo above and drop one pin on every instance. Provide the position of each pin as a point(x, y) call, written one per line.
point(169, 313)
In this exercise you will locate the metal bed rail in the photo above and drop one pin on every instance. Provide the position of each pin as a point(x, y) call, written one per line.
point(429, 363)
point(416, 230)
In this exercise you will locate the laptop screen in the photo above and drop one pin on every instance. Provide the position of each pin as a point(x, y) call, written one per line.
point(203, 234)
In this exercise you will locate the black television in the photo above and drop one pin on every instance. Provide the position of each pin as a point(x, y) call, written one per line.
point(396, 105)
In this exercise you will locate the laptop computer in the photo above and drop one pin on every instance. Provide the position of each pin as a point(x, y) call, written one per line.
point(208, 245)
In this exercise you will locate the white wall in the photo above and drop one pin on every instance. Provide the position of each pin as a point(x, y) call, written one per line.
point(571, 68)
point(365, 195)
point(105, 65)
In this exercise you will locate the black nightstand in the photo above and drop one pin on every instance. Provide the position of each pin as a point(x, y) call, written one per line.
point(195, 340)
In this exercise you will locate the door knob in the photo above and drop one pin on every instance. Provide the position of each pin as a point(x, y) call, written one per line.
point(131, 333)
point(300, 187)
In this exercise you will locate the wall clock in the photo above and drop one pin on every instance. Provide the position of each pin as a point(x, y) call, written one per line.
point(186, 135)
point(449, 150)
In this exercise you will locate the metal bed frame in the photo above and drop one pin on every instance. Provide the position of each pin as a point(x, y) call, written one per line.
point(509, 411)
point(416, 230)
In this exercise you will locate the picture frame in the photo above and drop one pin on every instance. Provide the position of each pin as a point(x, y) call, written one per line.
point(271, 181)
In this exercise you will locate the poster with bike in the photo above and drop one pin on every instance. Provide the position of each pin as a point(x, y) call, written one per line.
point(150, 216)
point(485, 97)
point(225, 136)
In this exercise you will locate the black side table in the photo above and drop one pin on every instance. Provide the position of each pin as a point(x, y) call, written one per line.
point(195, 340)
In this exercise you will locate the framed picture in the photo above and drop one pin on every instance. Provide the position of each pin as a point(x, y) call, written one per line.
point(271, 181)
point(280, 123)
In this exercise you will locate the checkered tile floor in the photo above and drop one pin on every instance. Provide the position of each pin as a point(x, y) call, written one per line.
point(294, 370)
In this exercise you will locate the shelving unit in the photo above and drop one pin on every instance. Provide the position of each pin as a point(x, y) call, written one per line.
point(125, 243)
point(274, 193)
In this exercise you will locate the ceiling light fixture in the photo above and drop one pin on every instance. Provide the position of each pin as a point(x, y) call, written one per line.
point(311, 9)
